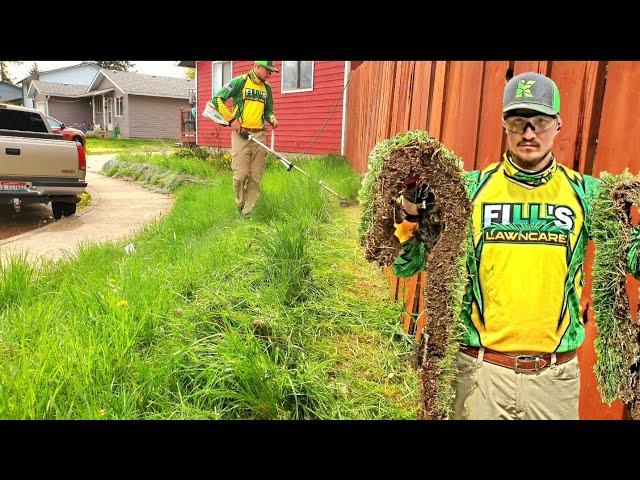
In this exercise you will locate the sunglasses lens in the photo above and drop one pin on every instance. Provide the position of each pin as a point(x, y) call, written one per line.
point(539, 123)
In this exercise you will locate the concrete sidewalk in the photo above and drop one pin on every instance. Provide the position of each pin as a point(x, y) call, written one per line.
point(118, 209)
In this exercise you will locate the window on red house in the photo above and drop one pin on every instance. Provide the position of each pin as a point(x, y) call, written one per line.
point(297, 76)
point(221, 74)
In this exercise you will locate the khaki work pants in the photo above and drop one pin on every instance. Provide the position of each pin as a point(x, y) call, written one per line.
point(247, 164)
point(485, 391)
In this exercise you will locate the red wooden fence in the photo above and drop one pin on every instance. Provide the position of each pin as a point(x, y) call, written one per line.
point(460, 103)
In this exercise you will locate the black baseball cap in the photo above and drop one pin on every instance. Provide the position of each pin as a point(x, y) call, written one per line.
point(532, 91)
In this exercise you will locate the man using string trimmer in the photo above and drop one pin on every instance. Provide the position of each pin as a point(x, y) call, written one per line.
point(252, 106)
point(247, 164)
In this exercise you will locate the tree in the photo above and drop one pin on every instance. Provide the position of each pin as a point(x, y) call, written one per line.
point(34, 69)
point(4, 73)
point(122, 65)
point(190, 73)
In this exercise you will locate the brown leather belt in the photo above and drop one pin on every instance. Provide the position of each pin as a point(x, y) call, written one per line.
point(254, 130)
point(520, 363)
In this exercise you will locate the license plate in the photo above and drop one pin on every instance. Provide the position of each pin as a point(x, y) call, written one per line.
point(14, 186)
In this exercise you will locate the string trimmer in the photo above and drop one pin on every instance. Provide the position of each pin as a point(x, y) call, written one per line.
point(213, 114)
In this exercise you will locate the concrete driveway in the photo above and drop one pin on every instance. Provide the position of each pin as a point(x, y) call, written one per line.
point(118, 209)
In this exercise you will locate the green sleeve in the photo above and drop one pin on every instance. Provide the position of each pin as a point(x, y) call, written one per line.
point(411, 259)
point(230, 90)
point(633, 259)
point(591, 187)
point(268, 106)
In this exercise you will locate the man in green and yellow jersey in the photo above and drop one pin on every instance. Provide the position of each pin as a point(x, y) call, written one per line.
point(521, 312)
point(252, 106)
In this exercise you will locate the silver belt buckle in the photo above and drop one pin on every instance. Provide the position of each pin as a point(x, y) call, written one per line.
point(534, 358)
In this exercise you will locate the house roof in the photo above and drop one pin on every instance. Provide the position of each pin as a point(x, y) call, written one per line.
point(141, 84)
point(7, 84)
point(17, 91)
point(97, 92)
point(58, 89)
point(61, 68)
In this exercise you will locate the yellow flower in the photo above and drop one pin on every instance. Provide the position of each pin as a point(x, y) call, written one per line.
point(121, 303)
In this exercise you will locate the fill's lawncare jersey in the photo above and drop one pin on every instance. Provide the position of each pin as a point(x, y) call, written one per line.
point(252, 101)
point(529, 239)
point(527, 249)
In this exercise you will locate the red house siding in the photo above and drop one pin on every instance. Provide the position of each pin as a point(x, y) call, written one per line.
point(300, 115)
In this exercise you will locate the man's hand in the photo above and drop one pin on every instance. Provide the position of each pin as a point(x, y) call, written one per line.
point(409, 207)
point(417, 193)
point(414, 198)
point(235, 124)
point(274, 124)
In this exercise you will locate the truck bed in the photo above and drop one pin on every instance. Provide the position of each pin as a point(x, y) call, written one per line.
point(25, 157)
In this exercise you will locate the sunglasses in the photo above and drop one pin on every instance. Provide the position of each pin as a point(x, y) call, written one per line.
point(539, 123)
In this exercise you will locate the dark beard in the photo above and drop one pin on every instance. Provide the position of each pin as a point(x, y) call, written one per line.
point(530, 165)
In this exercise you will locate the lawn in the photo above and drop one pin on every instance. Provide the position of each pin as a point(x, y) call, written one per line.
point(212, 316)
point(98, 146)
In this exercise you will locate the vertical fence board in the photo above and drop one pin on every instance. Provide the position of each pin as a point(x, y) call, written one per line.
point(569, 77)
point(402, 93)
point(462, 105)
point(420, 99)
point(437, 100)
point(521, 66)
point(587, 141)
point(490, 129)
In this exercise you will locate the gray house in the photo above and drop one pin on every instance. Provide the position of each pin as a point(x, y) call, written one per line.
point(62, 101)
point(141, 106)
point(80, 74)
point(10, 94)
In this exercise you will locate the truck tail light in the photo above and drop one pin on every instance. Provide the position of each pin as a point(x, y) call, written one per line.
point(82, 158)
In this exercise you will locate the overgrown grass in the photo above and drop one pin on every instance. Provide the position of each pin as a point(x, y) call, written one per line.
point(213, 316)
point(617, 342)
point(98, 146)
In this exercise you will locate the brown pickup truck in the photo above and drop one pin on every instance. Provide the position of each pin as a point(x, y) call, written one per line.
point(37, 166)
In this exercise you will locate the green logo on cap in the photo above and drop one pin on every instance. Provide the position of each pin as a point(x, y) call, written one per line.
point(524, 88)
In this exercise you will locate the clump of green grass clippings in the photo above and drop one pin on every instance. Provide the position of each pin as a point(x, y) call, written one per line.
point(617, 341)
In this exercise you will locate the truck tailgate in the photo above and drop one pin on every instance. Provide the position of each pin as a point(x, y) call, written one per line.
point(38, 158)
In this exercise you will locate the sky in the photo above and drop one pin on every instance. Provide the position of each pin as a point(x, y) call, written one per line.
point(166, 69)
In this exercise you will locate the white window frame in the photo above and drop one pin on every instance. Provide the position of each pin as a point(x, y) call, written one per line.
point(41, 106)
point(213, 77)
point(116, 107)
point(98, 104)
point(298, 90)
